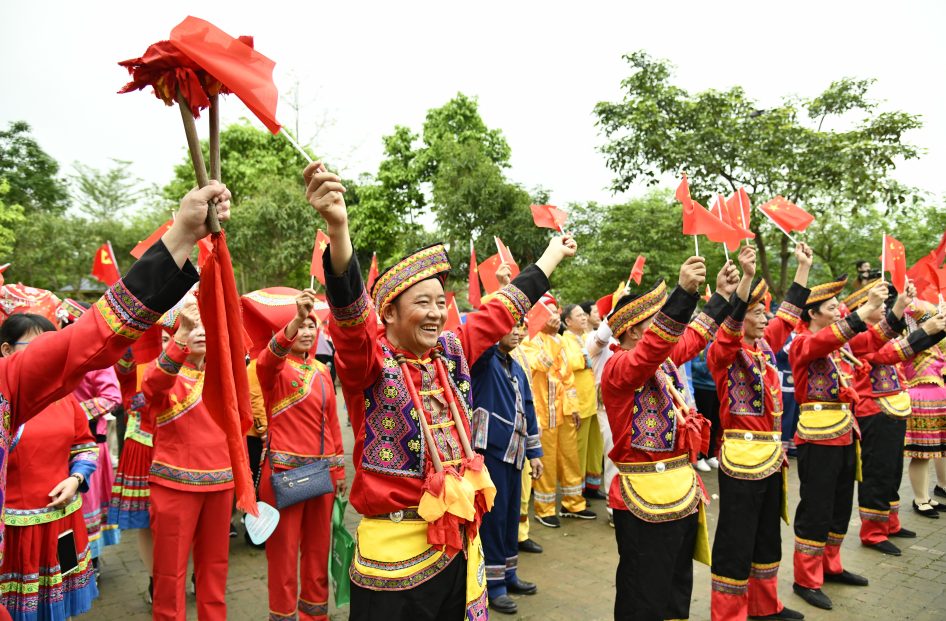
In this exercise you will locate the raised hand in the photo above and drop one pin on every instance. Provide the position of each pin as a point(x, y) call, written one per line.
point(190, 226)
point(727, 279)
point(934, 325)
point(189, 317)
point(747, 258)
point(552, 324)
point(305, 302)
point(692, 274)
point(804, 254)
point(559, 248)
point(324, 191)
point(503, 274)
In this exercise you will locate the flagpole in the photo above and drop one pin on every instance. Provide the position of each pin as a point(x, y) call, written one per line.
point(719, 208)
point(499, 249)
point(312, 282)
point(883, 254)
point(295, 144)
point(772, 220)
point(112, 252)
point(742, 213)
point(697, 242)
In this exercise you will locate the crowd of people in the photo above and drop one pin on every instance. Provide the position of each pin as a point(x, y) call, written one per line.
point(623, 400)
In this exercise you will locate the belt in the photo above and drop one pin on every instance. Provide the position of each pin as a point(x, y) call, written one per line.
point(822, 406)
point(401, 515)
point(753, 436)
point(656, 466)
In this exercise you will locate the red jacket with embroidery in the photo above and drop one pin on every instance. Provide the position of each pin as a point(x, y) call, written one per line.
point(294, 390)
point(190, 450)
point(389, 455)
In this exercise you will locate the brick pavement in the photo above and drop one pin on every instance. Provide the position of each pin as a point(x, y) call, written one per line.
point(575, 574)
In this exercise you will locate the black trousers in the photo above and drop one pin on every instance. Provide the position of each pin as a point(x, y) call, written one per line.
point(442, 598)
point(707, 404)
point(254, 450)
point(827, 490)
point(882, 461)
point(748, 530)
point(655, 570)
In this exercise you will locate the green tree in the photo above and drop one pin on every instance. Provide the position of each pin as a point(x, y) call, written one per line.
point(10, 215)
point(31, 172)
point(722, 140)
point(105, 195)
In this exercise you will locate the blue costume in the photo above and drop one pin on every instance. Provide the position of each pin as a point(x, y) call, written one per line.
point(789, 405)
point(506, 432)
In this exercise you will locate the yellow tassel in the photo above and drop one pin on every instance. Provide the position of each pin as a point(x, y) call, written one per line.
point(857, 473)
point(431, 508)
point(460, 496)
point(482, 481)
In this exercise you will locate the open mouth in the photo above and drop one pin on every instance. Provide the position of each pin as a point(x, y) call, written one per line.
point(430, 328)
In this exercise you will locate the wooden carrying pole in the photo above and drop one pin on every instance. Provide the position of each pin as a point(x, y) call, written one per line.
point(197, 157)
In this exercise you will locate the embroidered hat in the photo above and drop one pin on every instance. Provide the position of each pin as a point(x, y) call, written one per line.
point(827, 290)
point(549, 300)
point(633, 309)
point(758, 292)
point(23, 299)
point(70, 310)
point(921, 310)
point(428, 262)
point(860, 296)
point(268, 311)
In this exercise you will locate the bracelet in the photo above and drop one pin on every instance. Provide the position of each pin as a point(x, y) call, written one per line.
point(78, 477)
point(180, 345)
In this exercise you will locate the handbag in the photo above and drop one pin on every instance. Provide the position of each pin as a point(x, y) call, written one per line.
point(300, 484)
point(343, 551)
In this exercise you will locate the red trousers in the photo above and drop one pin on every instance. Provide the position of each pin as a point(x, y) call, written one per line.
point(304, 527)
point(181, 520)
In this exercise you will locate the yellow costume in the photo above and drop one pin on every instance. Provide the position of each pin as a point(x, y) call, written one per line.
point(590, 441)
point(520, 356)
point(555, 399)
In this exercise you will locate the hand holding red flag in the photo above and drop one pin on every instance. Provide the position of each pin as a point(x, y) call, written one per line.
point(895, 261)
point(726, 216)
point(321, 243)
point(474, 292)
point(698, 221)
point(506, 257)
point(539, 314)
point(638, 271)
point(104, 267)
point(549, 217)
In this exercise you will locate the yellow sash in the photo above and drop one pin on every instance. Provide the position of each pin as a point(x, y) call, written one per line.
point(701, 551)
point(392, 555)
point(824, 421)
point(896, 406)
point(785, 495)
point(659, 491)
point(750, 454)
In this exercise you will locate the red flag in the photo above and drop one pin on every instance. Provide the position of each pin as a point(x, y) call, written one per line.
point(709, 294)
point(372, 272)
point(321, 243)
point(143, 246)
point(3, 268)
point(895, 261)
point(787, 215)
point(548, 217)
point(229, 399)
point(204, 248)
point(474, 295)
point(936, 277)
point(244, 71)
point(537, 317)
point(698, 221)
point(453, 315)
point(506, 256)
point(935, 258)
point(638, 272)
point(487, 273)
point(105, 267)
point(739, 206)
point(726, 216)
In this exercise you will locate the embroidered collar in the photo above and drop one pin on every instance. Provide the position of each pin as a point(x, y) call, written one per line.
point(190, 370)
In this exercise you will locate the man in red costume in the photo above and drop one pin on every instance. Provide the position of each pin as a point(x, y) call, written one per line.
point(418, 483)
point(747, 548)
point(657, 498)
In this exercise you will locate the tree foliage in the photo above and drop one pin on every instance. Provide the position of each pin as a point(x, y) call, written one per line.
point(31, 172)
point(722, 140)
point(105, 195)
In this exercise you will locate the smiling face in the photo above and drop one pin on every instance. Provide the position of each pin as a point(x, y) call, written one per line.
point(755, 323)
point(415, 319)
point(577, 320)
point(306, 337)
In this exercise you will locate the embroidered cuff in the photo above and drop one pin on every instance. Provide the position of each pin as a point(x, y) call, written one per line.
point(705, 325)
point(533, 442)
point(515, 301)
point(848, 328)
point(532, 283)
point(904, 348)
point(732, 327)
point(667, 328)
point(167, 363)
point(354, 314)
point(789, 312)
point(125, 315)
point(97, 406)
point(717, 308)
point(884, 330)
point(279, 345)
point(795, 299)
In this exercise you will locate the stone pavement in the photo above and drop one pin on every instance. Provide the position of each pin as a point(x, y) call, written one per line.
point(575, 574)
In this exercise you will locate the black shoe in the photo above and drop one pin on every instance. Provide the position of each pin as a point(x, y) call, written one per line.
point(785, 614)
point(150, 590)
point(96, 567)
point(233, 531)
point(503, 604)
point(846, 577)
point(886, 547)
point(521, 587)
point(584, 514)
point(813, 597)
point(550, 521)
point(930, 513)
point(594, 494)
point(938, 506)
point(255, 546)
point(194, 584)
point(530, 546)
point(906, 534)
point(939, 491)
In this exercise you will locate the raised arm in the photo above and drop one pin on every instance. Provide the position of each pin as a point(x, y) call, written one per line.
point(789, 311)
point(702, 330)
point(272, 359)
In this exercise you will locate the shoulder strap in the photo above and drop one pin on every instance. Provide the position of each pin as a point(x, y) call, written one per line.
point(269, 430)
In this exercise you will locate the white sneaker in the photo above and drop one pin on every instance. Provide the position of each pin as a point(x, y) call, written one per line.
point(713, 462)
point(702, 466)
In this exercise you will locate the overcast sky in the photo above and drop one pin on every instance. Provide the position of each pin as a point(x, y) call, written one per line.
point(538, 69)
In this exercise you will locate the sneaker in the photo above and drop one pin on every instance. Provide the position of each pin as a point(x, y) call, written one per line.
point(712, 462)
point(550, 521)
point(584, 514)
point(233, 531)
point(702, 466)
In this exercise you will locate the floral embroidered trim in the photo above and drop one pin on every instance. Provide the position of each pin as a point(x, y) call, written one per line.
point(705, 325)
point(355, 314)
point(80, 448)
point(835, 539)
point(515, 301)
point(297, 394)
point(495, 572)
point(291, 460)
point(421, 265)
point(789, 312)
point(764, 571)
point(648, 467)
point(903, 349)
point(168, 365)
point(873, 515)
point(124, 313)
point(809, 547)
point(667, 328)
point(278, 350)
point(312, 608)
point(32, 517)
point(732, 327)
point(895, 507)
point(190, 371)
point(884, 331)
point(729, 586)
point(191, 477)
point(275, 616)
point(842, 330)
point(543, 498)
point(97, 406)
point(180, 408)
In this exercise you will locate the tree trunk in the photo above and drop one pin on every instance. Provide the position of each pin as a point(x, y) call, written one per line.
point(784, 272)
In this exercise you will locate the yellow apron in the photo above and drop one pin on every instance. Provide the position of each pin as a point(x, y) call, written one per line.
point(392, 553)
point(754, 455)
point(897, 406)
point(821, 421)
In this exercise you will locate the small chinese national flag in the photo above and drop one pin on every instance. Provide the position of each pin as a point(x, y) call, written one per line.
point(487, 273)
point(787, 215)
point(372, 272)
point(474, 294)
point(895, 261)
point(506, 257)
point(726, 216)
point(453, 315)
point(739, 206)
point(104, 267)
point(539, 314)
point(143, 246)
point(321, 243)
point(638, 272)
point(698, 221)
point(549, 217)
point(708, 295)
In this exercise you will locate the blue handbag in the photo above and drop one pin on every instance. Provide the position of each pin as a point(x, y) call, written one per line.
point(300, 484)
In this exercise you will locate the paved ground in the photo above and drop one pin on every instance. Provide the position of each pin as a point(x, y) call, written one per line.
point(576, 573)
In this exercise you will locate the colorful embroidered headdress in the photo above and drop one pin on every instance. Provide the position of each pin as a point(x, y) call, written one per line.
point(70, 310)
point(608, 302)
point(633, 309)
point(428, 262)
point(759, 290)
point(859, 297)
point(827, 290)
point(23, 299)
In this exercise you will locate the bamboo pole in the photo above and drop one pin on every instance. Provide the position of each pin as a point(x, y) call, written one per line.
point(197, 157)
point(215, 138)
